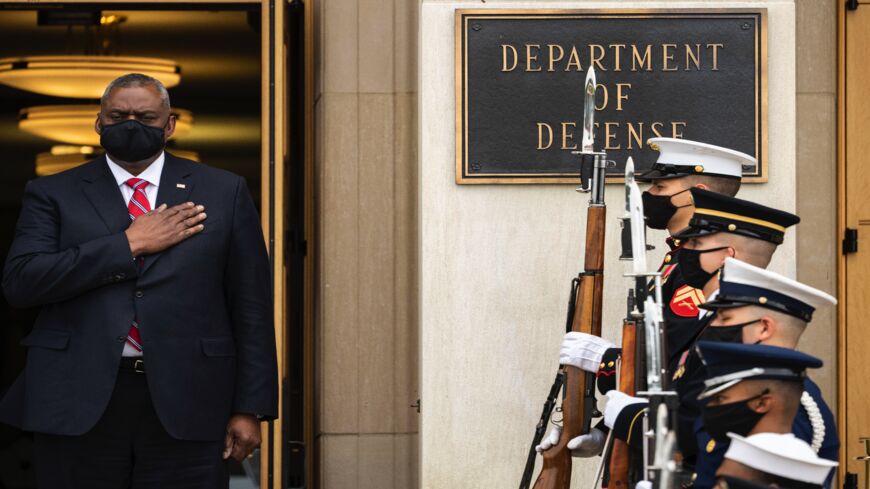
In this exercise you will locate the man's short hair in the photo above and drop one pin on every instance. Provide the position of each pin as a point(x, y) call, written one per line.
point(136, 80)
point(721, 185)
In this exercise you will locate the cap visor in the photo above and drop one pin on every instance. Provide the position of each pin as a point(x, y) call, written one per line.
point(653, 175)
point(711, 391)
point(693, 232)
point(722, 304)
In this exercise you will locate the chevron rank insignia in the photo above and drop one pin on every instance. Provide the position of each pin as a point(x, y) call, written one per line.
point(686, 300)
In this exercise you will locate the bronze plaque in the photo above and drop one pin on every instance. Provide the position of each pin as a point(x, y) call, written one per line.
point(698, 74)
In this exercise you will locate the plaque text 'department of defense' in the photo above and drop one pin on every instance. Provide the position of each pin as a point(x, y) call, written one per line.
point(694, 74)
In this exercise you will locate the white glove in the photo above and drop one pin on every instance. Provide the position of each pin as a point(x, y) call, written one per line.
point(550, 439)
point(583, 351)
point(588, 445)
point(643, 485)
point(616, 402)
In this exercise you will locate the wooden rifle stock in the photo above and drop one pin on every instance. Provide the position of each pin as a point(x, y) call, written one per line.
point(620, 456)
point(578, 403)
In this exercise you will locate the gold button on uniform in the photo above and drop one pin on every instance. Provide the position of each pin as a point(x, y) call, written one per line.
point(699, 169)
point(667, 258)
point(762, 300)
point(610, 363)
point(676, 242)
point(732, 227)
point(711, 445)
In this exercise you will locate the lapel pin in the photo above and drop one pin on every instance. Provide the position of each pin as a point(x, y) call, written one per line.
point(180, 185)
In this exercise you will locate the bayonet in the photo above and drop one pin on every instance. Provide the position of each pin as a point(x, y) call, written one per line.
point(588, 142)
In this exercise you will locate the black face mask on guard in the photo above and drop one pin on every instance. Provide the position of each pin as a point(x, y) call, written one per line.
point(690, 267)
point(658, 209)
point(131, 140)
point(730, 334)
point(735, 417)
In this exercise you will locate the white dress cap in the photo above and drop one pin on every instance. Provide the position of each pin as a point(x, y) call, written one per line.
point(780, 454)
point(701, 158)
point(737, 272)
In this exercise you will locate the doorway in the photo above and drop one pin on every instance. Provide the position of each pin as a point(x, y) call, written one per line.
point(854, 226)
point(244, 69)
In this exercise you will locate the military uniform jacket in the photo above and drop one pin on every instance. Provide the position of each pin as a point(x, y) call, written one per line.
point(813, 424)
point(680, 305)
point(688, 380)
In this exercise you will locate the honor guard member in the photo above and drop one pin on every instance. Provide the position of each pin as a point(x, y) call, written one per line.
point(720, 227)
point(681, 166)
point(772, 460)
point(756, 306)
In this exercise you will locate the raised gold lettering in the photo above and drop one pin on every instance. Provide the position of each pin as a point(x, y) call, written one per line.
point(635, 135)
point(715, 47)
point(616, 51)
point(608, 136)
point(619, 96)
point(530, 58)
point(695, 57)
point(606, 96)
point(553, 58)
point(574, 59)
point(504, 57)
point(568, 136)
point(541, 127)
point(596, 59)
point(655, 130)
point(675, 131)
point(667, 55)
point(637, 59)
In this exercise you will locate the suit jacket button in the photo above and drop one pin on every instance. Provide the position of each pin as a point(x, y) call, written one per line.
point(139, 294)
point(121, 339)
point(121, 276)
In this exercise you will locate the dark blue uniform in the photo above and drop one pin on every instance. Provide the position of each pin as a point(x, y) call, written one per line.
point(711, 453)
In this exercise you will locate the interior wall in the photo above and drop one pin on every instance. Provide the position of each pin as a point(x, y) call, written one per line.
point(818, 243)
point(366, 313)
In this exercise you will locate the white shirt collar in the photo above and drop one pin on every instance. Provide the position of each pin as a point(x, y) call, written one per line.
point(151, 174)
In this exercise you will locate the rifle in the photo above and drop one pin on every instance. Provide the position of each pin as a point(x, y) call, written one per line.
point(578, 400)
point(633, 248)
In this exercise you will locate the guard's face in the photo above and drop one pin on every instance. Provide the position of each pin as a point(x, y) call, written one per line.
point(676, 187)
point(743, 391)
point(140, 103)
point(713, 260)
point(755, 323)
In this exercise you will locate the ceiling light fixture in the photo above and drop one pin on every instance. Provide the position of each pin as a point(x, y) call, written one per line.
point(74, 124)
point(81, 76)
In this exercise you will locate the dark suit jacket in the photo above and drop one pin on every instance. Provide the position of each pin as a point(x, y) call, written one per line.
point(203, 306)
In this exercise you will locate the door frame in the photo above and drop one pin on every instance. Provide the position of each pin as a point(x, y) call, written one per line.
point(274, 150)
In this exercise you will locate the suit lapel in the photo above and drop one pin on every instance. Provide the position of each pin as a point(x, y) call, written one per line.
point(174, 188)
point(102, 191)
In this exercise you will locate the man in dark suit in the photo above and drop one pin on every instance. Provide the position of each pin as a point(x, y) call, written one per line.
point(153, 357)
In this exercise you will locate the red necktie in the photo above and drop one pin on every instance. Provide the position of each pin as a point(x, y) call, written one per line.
point(137, 206)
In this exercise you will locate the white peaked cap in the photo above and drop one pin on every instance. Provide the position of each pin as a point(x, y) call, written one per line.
point(745, 282)
point(703, 158)
point(780, 454)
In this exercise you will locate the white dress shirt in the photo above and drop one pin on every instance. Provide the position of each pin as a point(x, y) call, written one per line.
point(152, 176)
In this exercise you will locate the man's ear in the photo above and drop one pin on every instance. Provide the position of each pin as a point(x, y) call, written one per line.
point(769, 328)
point(170, 128)
point(97, 126)
point(731, 252)
point(763, 404)
point(702, 186)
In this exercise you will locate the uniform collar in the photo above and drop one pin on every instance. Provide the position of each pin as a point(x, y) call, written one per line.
point(151, 174)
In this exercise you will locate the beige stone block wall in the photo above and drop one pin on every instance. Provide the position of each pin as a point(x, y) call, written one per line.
point(817, 244)
point(366, 184)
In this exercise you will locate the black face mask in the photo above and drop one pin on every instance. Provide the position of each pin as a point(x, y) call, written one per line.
point(658, 209)
point(727, 334)
point(735, 417)
point(131, 140)
point(690, 267)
